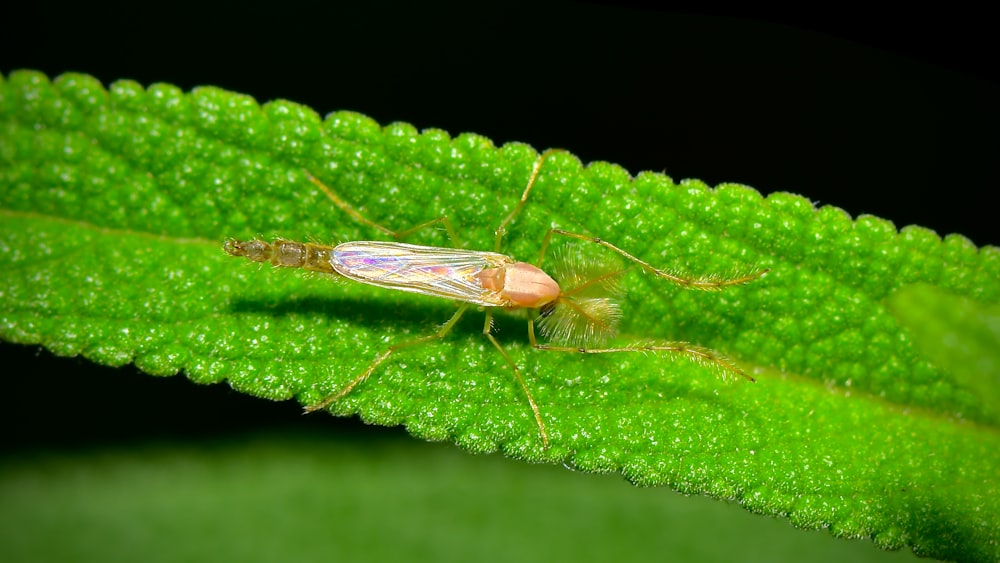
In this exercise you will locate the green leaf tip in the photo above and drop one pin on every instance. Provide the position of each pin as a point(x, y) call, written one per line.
point(959, 334)
point(114, 204)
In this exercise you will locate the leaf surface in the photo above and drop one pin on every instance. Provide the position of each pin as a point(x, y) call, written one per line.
point(114, 205)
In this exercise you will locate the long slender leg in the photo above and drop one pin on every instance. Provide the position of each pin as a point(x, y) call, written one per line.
point(500, 231)
point(705, 283)
point(698, 353)
point(502, 228)
point(347, 208)
point(517, 374)
point(441, 333)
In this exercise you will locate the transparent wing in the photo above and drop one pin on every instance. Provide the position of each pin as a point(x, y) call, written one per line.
point(442, 272)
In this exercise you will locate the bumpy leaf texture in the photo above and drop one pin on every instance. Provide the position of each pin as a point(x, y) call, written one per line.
point(114, 205)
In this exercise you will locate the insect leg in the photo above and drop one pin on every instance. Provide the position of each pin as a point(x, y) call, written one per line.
point(697, 353)
point(694, 282)
point(354, 213)
point(441, 333)
point(517, 374)
point(502, 228)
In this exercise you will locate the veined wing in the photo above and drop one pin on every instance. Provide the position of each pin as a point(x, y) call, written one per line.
point(443, 272)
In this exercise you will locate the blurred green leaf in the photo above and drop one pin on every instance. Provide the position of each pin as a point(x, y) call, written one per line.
point(273, 498)
point(114, 205)
point(960, 335)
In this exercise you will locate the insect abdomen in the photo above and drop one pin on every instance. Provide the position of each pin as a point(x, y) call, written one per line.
point(285, 253)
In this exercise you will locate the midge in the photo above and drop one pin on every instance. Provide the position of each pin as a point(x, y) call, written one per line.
point(580, 318)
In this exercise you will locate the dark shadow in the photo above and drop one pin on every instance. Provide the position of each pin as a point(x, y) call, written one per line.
point(373, 313)
point(53, 403)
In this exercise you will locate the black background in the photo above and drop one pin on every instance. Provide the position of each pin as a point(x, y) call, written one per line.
point(894, 115)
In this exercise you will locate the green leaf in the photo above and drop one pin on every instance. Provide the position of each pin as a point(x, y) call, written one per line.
point(959, 334)
point(114, 205)
point(220, 496)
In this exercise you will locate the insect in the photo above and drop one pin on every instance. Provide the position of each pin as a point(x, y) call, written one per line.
point(579, 317)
